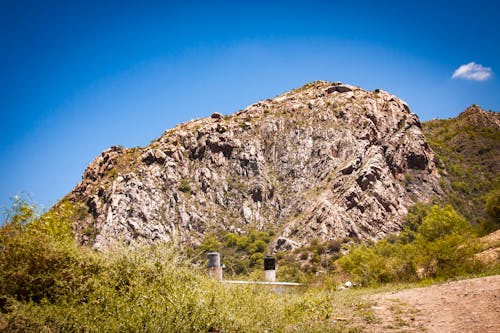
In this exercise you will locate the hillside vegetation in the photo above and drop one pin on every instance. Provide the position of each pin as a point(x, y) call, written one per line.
point(440, 241)
point(468, 151)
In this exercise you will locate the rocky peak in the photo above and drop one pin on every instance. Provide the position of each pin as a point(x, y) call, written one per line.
point(477, 117)
point(327, 161)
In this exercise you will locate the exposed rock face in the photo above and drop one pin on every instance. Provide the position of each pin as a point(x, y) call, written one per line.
point(325, 161)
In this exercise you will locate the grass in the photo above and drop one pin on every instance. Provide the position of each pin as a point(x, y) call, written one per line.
point(150, 289)
point(50, 284)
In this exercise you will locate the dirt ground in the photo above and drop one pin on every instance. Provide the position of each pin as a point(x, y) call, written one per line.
point(460, 306)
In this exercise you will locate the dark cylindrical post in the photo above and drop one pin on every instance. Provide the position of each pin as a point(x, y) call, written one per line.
point(214, 266)
point(213, 259)
point(269, 269)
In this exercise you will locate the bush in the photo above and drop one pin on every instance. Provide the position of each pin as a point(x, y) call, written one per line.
point(441, 246)
point(241, 253)
point(441, 222)
point(210, 244)
point(493, 205)
point(39, 260)
point(185, 186)
point(230, 239)
point(259, 246)
point(334, 246)
point(257, 259)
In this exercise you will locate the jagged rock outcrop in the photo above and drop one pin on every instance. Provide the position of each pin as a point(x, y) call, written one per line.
point(327, 160)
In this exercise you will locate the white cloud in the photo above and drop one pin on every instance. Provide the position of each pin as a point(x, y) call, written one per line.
point(472, 71)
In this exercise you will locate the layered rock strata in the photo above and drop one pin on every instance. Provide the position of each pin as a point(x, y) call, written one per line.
point(326, 161)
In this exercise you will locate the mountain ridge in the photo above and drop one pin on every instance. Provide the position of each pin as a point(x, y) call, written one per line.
point(327, 160)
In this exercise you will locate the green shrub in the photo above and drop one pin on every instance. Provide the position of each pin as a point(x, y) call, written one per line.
point(257, 259)
point(39, 260)
point(20, 212)
point(259, 246)
point(185, 186)
point(210, 244)
point(437, 243)
point(493, 205)
point(241, 253)
point(441, 222)
point(230, 239)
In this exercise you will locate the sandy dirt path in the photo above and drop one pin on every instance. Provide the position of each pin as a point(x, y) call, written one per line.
point(461, 306)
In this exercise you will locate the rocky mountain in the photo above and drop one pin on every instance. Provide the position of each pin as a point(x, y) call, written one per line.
point(325, 161)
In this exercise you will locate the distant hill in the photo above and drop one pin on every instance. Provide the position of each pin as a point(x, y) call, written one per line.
point(468, 156)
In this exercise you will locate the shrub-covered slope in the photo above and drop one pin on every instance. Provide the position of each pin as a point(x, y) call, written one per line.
point(468, 152)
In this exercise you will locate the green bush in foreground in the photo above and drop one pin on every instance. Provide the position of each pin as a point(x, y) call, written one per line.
point(436, 243)
point(38, 257)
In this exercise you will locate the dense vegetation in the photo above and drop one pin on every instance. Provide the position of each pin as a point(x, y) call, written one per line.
point(436, 243)
point(467, 149)
point(241, 252)
point(49, 284)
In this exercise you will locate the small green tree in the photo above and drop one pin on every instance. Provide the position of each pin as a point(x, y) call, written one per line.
point(210, 244)
point(444, 243)
point(493, 205)
point(441, 222)
point(38, 256)
point(21, 211)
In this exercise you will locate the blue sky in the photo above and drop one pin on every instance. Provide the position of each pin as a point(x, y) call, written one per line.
point(79, 76)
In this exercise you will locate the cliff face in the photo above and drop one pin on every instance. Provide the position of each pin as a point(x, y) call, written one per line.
point(327, 161)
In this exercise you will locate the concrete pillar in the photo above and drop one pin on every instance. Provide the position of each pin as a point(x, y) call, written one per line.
point(214, 266)
point(269, 269)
